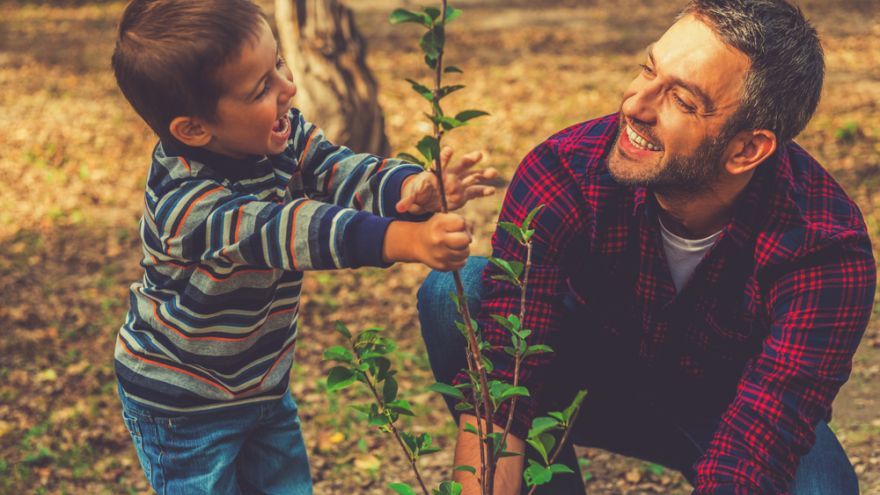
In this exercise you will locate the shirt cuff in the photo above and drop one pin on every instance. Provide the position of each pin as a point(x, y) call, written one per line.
point(392, 193)
point(365, 239)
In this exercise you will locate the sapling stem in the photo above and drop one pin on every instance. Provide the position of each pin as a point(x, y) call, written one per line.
point(562, 442)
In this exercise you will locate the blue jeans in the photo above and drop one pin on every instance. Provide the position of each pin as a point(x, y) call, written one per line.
point(618, 423)
point(256, 448)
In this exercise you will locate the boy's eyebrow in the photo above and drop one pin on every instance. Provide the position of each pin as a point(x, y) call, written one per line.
point(708, 105)
point(259, 83)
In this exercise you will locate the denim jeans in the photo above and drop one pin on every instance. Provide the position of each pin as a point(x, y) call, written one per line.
point(618, 423)
point(256, 448)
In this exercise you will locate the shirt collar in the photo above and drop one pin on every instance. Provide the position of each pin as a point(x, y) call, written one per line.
point(226, 167)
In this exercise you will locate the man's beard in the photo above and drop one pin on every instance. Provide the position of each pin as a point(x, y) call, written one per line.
point(687, 175)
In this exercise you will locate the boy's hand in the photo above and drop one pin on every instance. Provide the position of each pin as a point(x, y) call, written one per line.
point(420, 193)
point(442, 242)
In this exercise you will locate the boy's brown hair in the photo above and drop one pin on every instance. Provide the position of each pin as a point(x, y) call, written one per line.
point(168, 53)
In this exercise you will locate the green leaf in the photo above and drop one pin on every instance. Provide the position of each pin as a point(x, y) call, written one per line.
point(508, 453)
point(421, 89)
point(447, 90)
point(448, 488)
point(341, 328)
point(432, 41)
point(399, 16)
point(542, 424)
point(429, 147)
point(449, 123)
point(538, 349)
point(401, 488)
point(469, 469)
point(452, 14)
point(339, 378)
point(575, 403)
point(431, 61)
point(464, 406)
point(411, 443)
point(543, 444)
point(338, 353)
point(560, 469)
point(470, 114)
point(531, 216)
point(513, 230)
point(518, 391)
point(451, 68)
point(536, 474)
point(471, 428)
point(433, 12)
point(558, 416)
point(389, 390)
point(447, 389)
point(400, 406)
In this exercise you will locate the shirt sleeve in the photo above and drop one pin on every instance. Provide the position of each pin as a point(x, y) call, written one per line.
point(540, 179)
point(335, 174)
point(820, 309)
point(201, 220)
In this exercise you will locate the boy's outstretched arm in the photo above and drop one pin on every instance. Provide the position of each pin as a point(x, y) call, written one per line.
point(337, 175)
point(420, 193)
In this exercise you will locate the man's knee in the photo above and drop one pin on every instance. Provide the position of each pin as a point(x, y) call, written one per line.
point(826, 468)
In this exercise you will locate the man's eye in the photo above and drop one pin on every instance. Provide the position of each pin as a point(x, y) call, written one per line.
point(684, 106)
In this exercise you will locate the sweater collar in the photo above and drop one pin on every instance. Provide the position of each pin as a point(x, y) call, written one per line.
point(226, 167)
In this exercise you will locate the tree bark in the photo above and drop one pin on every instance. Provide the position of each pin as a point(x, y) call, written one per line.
point(335, 88)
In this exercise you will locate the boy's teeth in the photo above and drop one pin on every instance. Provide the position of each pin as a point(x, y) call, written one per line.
point(639, 141)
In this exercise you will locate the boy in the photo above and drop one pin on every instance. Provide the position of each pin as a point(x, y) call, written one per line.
point(242, 196)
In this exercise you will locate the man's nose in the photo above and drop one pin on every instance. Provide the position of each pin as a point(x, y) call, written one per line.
point(640, 102)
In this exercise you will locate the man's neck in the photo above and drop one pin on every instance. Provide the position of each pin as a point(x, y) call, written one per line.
point(696, 216)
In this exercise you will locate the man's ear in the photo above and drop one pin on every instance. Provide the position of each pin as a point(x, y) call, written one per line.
point(190, 131)
point(748, 149)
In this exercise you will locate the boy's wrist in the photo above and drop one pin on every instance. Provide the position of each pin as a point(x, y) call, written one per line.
point(401, 242)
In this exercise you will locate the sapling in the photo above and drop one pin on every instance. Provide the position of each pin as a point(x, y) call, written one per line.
point(364, 359)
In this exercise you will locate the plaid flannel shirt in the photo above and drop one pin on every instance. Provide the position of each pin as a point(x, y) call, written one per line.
point(763, 333)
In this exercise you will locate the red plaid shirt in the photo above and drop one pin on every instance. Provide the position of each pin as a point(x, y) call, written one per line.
point(764, 331)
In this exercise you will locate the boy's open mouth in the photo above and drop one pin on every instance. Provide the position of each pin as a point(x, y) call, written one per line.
point(281, 128)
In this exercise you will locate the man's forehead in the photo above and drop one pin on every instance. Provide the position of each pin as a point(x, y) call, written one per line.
point(691, 51)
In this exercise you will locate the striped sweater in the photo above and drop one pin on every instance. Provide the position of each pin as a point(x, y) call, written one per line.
point(213, 321)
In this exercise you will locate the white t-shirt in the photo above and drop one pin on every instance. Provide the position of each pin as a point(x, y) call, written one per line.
point(683, 255)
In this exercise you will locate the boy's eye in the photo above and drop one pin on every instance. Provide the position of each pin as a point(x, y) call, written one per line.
point(647, 70)
point(264, 91)
point(280, 62)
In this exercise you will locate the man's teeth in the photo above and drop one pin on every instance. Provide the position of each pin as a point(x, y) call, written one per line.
point(639, 141)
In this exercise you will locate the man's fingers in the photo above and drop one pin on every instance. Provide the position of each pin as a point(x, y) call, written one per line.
point(457, 241)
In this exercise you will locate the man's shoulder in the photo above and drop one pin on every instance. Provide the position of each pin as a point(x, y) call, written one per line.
point(822, 202)
point(812, 212)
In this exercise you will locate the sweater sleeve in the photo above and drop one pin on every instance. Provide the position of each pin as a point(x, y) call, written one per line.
point(201, 220)
point(820, 309)
point(335, 174)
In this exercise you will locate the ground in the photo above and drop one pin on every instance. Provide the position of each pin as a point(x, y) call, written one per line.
point(73, 159)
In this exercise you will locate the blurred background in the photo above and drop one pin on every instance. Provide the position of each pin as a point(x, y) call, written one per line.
point(74, 157)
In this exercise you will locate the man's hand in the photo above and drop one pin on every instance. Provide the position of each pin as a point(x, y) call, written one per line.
point(420, 193)
point(508, 474)
point(442, 242)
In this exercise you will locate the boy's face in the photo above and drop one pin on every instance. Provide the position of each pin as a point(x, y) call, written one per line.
point(251, 116)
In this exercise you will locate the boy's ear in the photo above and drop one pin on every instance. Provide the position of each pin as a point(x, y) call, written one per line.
point(190, 131)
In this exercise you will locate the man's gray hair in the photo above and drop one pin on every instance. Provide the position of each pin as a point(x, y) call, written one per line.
point(784, 82)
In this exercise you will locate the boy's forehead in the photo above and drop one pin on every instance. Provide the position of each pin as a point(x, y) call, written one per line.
point(255, 57)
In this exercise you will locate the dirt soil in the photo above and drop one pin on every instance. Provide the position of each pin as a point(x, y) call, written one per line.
point(73, 159)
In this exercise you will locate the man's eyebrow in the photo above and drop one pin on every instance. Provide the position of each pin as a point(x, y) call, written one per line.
point(259, 83)
point(692, 88)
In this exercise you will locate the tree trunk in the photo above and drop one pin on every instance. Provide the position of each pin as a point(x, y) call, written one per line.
point(336, 90)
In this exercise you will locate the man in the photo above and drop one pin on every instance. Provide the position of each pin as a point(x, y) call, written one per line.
point(697, 271)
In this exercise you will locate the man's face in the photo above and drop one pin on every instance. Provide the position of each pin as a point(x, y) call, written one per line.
point(252, 113)
point(674, 111)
